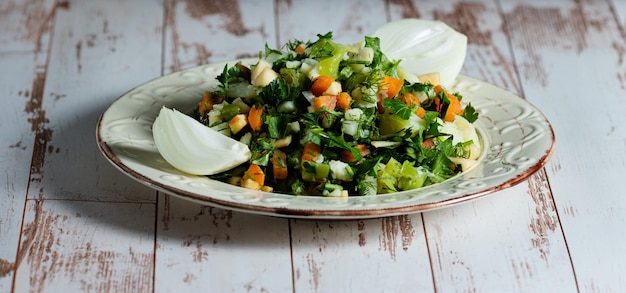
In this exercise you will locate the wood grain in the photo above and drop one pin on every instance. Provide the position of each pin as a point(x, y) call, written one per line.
point(23, 51)
point(86, 247)
point(619, 8)
point(26, 25)
point(388, 254)
point(200, 32)
point(585, 173)
point(200, 247)
point(91, 66)
point(516, 229)
point(349, 21)
point(17, 70)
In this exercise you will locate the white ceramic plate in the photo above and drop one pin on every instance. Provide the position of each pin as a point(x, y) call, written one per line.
point(518, 140)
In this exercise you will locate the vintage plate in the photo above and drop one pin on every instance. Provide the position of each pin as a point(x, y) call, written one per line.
point(518, 140)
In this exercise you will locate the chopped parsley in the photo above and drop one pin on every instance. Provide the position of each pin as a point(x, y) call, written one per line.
point(354, 139)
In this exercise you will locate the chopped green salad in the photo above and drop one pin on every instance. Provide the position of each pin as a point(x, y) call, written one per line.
point(323, 118)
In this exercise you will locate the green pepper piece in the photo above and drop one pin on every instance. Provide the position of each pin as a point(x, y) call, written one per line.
point(330, 65)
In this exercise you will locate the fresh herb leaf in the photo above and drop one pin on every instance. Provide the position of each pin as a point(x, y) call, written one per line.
point(340, 142)
point(277, 125)
point(297, 187)
point(380, 61)
point(277, 91)
point(309, 167)
point(293, 76)
point(233, 74)
point(398, 107)
point(323, 47)
point(368, 166)
point(470, 113)
point(270, 51)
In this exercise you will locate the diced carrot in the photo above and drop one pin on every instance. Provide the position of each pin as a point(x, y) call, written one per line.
point(438, 89)
point(207, 103)
point(348, 156)
point(343, 100)
point(392, 85)
point(254, 117)
point(255, 173)
point(421, 112)
point(328, 102)
point(454, 108)
point(321, 84)
point(279, 165)
point(410, 99)
point(310, 152)
point(300, 48)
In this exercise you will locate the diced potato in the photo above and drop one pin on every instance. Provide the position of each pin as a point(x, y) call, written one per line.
point(432, 78)
point(283, 142)
point(237, 123)
point(334, 89)
point(265, 77)
point(250, 184)
point(258, 68)
point(262, 73)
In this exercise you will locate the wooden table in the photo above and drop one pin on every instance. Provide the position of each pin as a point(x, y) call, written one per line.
point(71, 222)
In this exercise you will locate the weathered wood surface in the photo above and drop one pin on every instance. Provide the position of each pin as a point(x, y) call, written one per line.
point(69, 221)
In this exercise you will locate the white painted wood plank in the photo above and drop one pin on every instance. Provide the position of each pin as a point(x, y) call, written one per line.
point(201, 248)
point(25, 28)
point(200, 32)
point(349, 21)
point(78, 246)
point(17, 71)
point(619, 6)
point(25, 25)
point(91, 64)
point(387, 254)
point(510, 241)
point(497, 245)
point(573, 62)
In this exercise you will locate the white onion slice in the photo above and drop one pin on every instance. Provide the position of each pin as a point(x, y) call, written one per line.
point(191, 147)
point(424, 46)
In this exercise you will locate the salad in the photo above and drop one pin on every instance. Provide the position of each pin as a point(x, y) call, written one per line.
point(329, 119)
